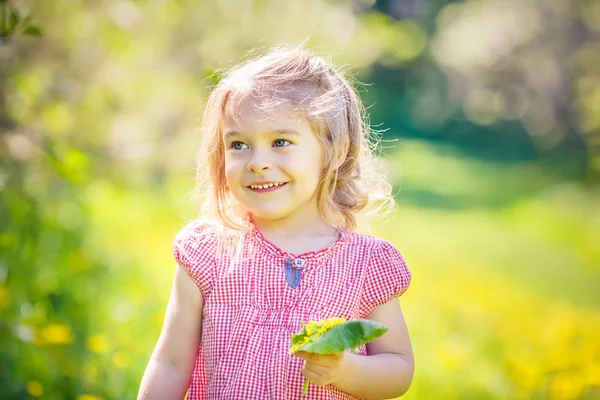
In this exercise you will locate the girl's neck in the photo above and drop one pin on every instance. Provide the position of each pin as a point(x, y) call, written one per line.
point(297, 239)
point(294, 227)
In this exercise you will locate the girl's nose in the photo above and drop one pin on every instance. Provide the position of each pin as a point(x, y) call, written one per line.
point(258, 165)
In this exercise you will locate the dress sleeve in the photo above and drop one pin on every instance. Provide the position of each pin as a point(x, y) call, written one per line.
point(387, 276)
point(194, 249)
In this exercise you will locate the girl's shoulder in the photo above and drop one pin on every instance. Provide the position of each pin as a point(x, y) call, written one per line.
point(383, 257)
point(386, 272)
point(370, 242)
point(198, 229)
point(196, 237)
point(204, 237)
point(196, 247)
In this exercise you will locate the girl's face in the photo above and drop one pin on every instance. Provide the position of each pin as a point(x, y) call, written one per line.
point(273, 162)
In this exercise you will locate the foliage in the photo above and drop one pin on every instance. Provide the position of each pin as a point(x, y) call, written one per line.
point(96, 150)
point(335, 335)
point(12, 22)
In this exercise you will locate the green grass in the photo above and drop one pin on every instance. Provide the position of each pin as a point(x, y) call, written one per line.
point(503, 302)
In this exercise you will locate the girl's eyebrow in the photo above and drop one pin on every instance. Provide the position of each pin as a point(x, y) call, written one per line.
point(272, 133)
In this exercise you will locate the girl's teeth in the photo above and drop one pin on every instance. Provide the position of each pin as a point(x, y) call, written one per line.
point(268, 185)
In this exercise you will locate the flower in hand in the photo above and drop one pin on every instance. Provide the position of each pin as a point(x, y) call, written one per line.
point(322, 346)
point(322, 369)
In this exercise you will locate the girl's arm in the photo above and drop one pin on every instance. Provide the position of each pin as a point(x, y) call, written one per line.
point(388, 369)
point(168, 373)
point(385, 373)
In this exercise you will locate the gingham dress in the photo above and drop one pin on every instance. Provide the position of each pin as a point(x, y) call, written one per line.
point(250, 311)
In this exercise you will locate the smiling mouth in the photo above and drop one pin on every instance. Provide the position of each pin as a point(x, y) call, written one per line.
point(268, 187)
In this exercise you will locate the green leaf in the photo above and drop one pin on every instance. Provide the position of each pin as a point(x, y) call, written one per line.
point(3, 20)
point(26, 21)
point(32, 30)
point(15, 18)
point(298, 337)
point(347, 335)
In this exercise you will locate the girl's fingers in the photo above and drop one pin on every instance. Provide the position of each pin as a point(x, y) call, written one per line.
point(328, 360)
point(304, 355)
point(316, 374)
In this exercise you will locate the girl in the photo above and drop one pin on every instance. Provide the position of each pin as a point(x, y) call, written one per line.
point(286, 160)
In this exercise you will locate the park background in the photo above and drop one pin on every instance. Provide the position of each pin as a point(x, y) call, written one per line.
point(490, 112)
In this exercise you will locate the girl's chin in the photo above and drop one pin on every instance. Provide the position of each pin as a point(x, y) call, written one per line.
point(267, 214)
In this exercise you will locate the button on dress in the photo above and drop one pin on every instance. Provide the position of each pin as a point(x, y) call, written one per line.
point(251, 309)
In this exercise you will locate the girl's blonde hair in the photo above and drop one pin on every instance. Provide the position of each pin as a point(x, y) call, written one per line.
point(349, 178)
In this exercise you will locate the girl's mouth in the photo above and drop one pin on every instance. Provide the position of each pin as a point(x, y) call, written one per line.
point(267, 187)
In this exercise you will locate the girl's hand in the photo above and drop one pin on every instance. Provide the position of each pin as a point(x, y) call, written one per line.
point(323, 369)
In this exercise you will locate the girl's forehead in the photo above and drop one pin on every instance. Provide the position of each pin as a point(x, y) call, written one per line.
point(299, 95)
point(250, 113)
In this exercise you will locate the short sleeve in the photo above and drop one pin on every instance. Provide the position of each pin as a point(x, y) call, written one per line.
point(194, 249)
point(386, 277)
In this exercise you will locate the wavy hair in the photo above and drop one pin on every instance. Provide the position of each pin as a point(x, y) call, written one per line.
point(349, 180)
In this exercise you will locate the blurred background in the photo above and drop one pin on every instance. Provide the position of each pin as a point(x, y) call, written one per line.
point(491, 114)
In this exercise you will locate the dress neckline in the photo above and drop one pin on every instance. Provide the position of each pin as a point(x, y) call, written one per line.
point(342, 233)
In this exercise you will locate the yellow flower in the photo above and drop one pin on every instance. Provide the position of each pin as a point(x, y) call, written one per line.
point(4, 297)
point(88, 397)
point(331, 322)
point(310, 328)
point(57, 334)
point(98, 343)
point(35, 388)
point(314, 329)
point(120, 360)
point(566, 386)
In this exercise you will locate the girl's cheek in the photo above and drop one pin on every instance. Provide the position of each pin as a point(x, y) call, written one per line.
point(230, 170)
point(232, 162)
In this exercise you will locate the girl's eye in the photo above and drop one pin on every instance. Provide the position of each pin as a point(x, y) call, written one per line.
point(281, 143)
point(239, 145)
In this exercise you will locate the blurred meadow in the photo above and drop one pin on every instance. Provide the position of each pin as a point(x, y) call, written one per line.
point(490, 115)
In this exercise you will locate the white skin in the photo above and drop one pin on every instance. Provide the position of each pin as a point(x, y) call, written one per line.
point(289, 218)
point(276, 147)
point(259, 147)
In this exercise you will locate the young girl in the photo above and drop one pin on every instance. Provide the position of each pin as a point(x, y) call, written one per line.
point(287, 163)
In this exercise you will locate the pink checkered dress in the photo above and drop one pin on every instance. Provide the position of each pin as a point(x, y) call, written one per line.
point(250, 309)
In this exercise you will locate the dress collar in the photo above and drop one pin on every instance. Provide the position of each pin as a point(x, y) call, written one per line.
point(342, 233)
